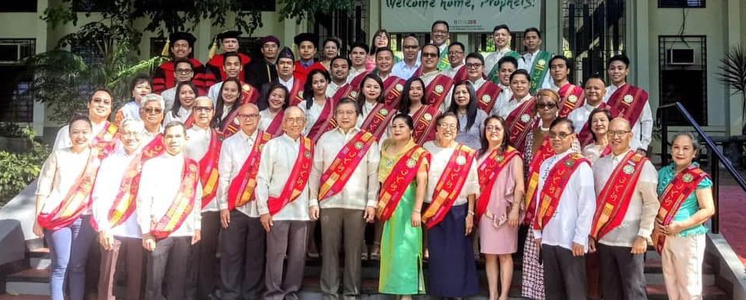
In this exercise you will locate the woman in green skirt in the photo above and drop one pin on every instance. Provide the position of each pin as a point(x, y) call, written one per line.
point(403, 174)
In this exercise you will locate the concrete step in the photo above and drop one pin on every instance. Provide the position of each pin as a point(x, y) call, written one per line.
point(39, 258)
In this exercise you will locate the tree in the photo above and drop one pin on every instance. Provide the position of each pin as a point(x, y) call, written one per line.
point(733, 74)
point(63, 79)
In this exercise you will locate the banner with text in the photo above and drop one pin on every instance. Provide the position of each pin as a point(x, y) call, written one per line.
point(461, 15)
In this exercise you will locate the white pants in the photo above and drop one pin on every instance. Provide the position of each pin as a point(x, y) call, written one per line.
point(682, 259)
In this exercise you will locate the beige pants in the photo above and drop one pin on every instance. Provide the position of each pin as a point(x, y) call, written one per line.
point(682, 259)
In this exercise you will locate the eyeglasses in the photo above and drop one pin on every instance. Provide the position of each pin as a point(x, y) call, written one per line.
point(429, 54)
point(184, 71)
point(129, 133)
point(152, 110)
point(455, 52)
point(617, 132)
point(410, 47)
point(549, 105)
point(447, 126)
point(298, 120)
point(248, 116)
point(473, 65)
point(492, 128)
point(202, 109)
point(561, 135)
point(346, 112)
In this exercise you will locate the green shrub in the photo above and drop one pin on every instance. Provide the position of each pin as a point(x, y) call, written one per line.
point(11, 130)
point(19, 169)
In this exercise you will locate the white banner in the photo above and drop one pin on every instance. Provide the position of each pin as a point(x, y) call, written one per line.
point(462, 15)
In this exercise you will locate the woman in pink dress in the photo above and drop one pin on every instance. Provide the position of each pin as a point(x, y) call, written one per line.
point(501, 184)
point(380, 40)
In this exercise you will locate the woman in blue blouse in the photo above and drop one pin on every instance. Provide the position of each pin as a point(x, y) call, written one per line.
point(686, 204)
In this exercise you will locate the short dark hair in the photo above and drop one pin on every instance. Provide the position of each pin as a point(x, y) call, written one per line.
point(79, 117)
point(105, 90)
point(407, 120)
point(437, 49)
point(272, 88)
point(140, 78)
point(595, 111)
point(560, 57)
point(174, 123)
point(621, 57)
point(360, 45)
point(532, 29)
point(501, 26)
point(333, 40)
point(561, 120)
point(230, 54)
point(445, 115)
point(347, 100)
point(520, 72)
point(349, 63)
point(475, 55)
point(463, 48)
point(440, 22)
point(384, 49)
point(507, 59)
point(182, 61)
point(483, 136)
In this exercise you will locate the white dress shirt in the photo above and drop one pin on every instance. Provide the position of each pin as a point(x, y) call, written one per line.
point(438, 163)
point(527, 63)
point(130, 110)
point(427, 78)
point(505, 95)
point(361, 189)
point(266, 119)
point(333, 87)
point(643, 207)
point(354, 72)
point(59, 174)
point(63, 135)
point(109, 178)
point(313, 113)
point(288, 84)
point(491, 60)
point(233, 154)
point(278, 159)
point(643, 128)
point(579, 116)
point(451, 71)
point(148, 136)
point(405, 71)
point(511, 105)
point(572, 221)
point(183, 116)
point(159, 184)
point(169, 96)
point(196, 148)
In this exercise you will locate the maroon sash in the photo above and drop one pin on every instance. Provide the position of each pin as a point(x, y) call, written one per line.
point(377, 119)
point(571, 97)
point(585, 136)
point(627, 102)
point(424, 123)
point(275, 127)
point(324, 123)
point(461, 75)
point(342, 92)
point(355, 85)
point(392, 88)
point(296, 93)
point(437, 91)
point(487, 95)
point(520, 122)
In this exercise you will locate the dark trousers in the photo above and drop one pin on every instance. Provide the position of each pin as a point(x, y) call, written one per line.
point(201, 278)
point(623, 275)
point(564, 274)
point(285, 240)
point(131, 251)
point(242, 258)
point(334, 223)
point(168, 262)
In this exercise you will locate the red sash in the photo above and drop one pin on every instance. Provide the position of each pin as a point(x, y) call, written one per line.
point(182, 205)
point(487, 95)
point(241, 190)
point(124, 203)
point(105, 140)
point(231, 124)
point(557, 181)
point(545, 151)
point(613, 200)
point(392, 88)
point(449, 185)
point(585, 136)
point(275, 127)
point(324, 123)
point(342, 92)
point(208, 169)
point(250, 93)
point(377, 119)
point(488, 171)
point(424, 123)
point(297, 180)
point(520, 122)
point(77, 199)
point(678, 190)
point(627, 102)
point(398, 181)
point(296, 93)
point(461, 75)
point(336, 176)
point(355, 85)
point(437, 90)
point(572, 97)
point(190, 120)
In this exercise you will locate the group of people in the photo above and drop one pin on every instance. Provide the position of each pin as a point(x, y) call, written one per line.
point(437, 149)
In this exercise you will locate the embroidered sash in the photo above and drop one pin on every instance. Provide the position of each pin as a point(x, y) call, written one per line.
point(449, 185)
point(349, 157)
point(124, 202)
point(377, 119)
point(424, 124)
point(585, 136)
point(487, 96)
point(182, 205)
point(297, 180)
point(557, 181)
point(241, 190)
point(443, 62)
point(250, 93)
point(488, 171)
point(539, 70)
point(77, 198)
point(355, 85)
point(296, 93)
point(545, 151)
point(324, 122)
point(520, 122)
point(398, 181)
point(627, 102)
point(208, 169)
point(613, 200)
point(494, 74)
point(437, 90)
point(275, 127)
point(342, 92)
point(105, 141)
point(392, 88)
point(572, 97)
point(461, 75)
point(678, 190)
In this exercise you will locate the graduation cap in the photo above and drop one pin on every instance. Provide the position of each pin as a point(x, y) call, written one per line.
point(228, 34)
point(286, 53)
point(176, 36)
point(310, 37)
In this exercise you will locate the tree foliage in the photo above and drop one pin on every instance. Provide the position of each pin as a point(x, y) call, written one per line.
point(19, 169)
point(733, 72)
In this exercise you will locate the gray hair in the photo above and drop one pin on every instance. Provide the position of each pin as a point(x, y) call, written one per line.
point(132, 123)
point(151, 98)
point(212, 102)
point(691, 136)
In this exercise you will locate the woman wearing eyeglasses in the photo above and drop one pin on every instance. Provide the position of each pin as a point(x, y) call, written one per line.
point(186, 92)
point(452, 188)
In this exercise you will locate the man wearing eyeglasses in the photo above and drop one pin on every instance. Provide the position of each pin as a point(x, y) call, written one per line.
point(151, 113)
point(564, 213)
point(487, 92)
point(626, 184)
point(456, 70)
point(204, 147)
point(180, 45)
point(571, 96)
point(438, 86)
point(184, 72)
point(439, 34)
point(243, 239)
point(407, 68)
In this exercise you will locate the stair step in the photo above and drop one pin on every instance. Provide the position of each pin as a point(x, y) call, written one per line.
point(658, 292)
point(22, 297)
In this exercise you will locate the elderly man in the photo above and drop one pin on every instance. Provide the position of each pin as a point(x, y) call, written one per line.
point(151, 113)
point(243, 239)
point(283, 202)
point(168, 214)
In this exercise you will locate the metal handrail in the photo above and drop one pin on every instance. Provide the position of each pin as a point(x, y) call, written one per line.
point(716, 156)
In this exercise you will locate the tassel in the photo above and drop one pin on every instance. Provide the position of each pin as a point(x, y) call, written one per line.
point(213, 49)
point(166, 48)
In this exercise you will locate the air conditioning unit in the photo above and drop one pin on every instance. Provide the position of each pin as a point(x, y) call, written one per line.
point(680, 57)
point(10, 52)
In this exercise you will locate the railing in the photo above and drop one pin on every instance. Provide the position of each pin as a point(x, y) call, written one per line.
point(716, 156)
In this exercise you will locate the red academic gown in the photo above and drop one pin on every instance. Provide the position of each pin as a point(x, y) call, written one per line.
point(163, 77)
point(301, 72)
point(215, 71)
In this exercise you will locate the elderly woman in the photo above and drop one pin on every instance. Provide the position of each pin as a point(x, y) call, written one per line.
point(470, 118)
point(679, 232)
point(330, 49)
point(599, 122)
point(152, 109)
point(277, 101)
point(139, 87)
point(452, 188)
point(186, 92)
point(62, 209)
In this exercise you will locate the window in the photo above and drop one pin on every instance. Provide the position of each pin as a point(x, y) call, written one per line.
point(92, 56)
point(347, 25)
point(683, 75)
point(15, 104)
point(17, 6)
point(681, 3)
point(262, 5)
